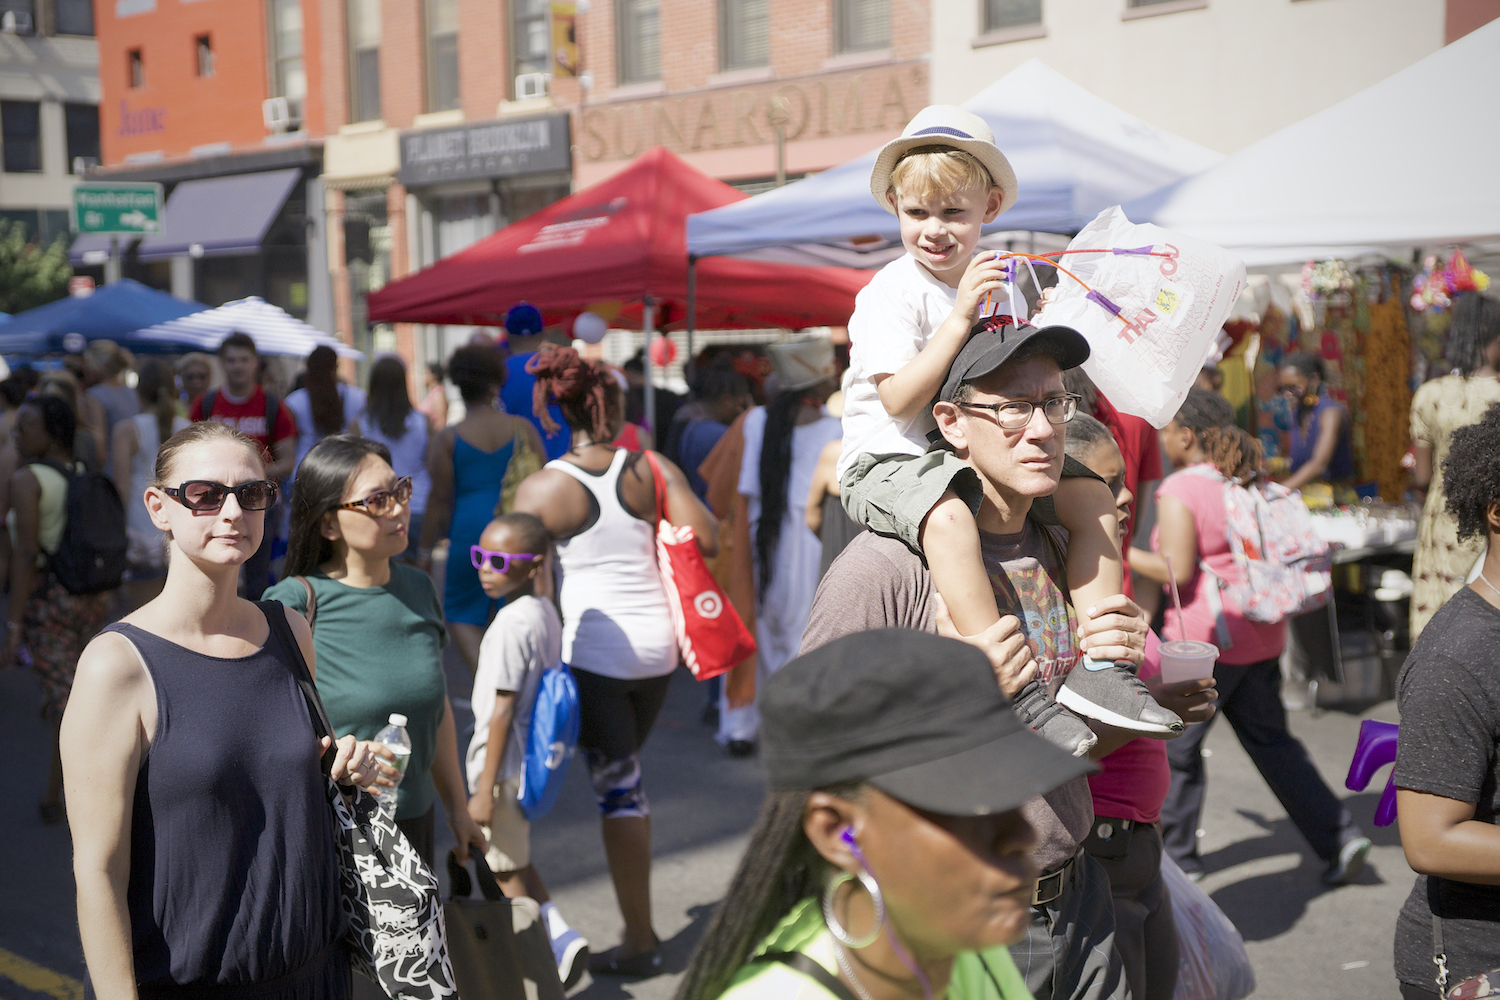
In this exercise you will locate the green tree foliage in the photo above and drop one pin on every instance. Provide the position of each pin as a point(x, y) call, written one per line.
point(30, 275)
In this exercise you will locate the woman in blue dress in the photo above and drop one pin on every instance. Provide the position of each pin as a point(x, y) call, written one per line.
point(1320, 447)
point(476, 466)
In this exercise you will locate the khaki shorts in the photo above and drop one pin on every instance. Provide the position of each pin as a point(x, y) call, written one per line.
point(509, 833)
point(893, 494)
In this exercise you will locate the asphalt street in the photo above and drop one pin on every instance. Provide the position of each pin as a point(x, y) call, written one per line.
point(1303, 939)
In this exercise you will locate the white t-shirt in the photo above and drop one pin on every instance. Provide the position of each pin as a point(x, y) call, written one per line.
point(895, 315)
point(524, 639)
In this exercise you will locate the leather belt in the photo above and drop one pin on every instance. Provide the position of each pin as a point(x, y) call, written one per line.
point(1050, 885)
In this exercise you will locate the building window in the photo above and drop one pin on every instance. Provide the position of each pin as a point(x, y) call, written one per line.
point(288, 78)
point(203, 47)
point(744, 34)
point(21, 135)
point(137, 68)
point(18, 17)
point(82, 124)
point(530, 38)
point(639, 40)
point(861, 25)
point(442, 55)
point(1002, 14)
point(74, 17)
point(364, 60)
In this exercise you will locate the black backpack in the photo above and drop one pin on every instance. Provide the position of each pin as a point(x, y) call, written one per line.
point(91, 557)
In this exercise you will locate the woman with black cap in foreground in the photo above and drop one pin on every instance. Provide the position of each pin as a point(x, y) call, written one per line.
point(890, 858)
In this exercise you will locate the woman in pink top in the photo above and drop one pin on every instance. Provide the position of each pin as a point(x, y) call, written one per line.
point(1207, 451)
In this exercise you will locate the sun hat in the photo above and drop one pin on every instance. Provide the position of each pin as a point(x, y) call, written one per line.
point(802, 364)
point(991, 345)
point(918, 716)
point(945, 125)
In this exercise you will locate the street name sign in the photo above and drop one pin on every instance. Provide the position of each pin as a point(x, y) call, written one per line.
point(124, 209)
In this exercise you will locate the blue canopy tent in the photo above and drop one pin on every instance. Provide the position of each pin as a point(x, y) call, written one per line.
point(114, 312)
point(1073, 154)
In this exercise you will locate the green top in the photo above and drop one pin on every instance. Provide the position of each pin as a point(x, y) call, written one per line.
point(380, 650)
point(803, 930)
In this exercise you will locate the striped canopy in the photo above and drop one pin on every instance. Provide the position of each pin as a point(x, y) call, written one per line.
point(273, 330)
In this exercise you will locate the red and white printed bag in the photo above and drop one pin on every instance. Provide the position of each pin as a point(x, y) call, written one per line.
point(709, 631)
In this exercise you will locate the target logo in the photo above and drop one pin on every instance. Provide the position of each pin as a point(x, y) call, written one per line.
point(708, 605)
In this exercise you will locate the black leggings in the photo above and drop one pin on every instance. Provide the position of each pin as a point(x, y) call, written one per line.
point(616, 716)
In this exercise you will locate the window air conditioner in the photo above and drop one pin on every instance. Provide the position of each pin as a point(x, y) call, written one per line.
point(277, 114)
point(532, 85)
point(82, 164)
point(16, 22)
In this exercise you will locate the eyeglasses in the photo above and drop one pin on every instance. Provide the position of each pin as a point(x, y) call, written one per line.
point(203, 494)
point(380, 502)
point(1017, 414)
point(498, 561)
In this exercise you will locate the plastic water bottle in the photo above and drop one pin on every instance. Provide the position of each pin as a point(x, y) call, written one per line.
point(394, 736)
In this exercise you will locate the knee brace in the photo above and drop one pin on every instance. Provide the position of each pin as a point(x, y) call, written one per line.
point(617, 786)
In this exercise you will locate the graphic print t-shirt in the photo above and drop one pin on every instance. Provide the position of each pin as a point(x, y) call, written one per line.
point(249, 418)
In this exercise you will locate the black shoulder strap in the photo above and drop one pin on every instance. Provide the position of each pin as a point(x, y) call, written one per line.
point(271, 405)
point(208, 402)
point(811, 969)
point(275, 613)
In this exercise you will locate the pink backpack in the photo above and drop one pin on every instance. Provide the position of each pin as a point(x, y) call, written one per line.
point(1286, 566)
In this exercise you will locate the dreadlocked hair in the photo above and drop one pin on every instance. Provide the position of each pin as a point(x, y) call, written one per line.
point(780, 868)
point(1471, 473)
point(775, 471)
point(1234, 452)
point(1475, 325)
point(581, 389)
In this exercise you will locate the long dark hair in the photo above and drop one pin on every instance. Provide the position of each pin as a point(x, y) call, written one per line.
point(156, 385)
point(775, 470)
point(321, 479)
point(1475, 325)
point(780, 868)
point(389, 404)
point(322, 384)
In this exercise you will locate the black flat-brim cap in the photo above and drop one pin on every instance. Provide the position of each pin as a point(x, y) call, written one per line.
point(916, 715)
point(989, 348)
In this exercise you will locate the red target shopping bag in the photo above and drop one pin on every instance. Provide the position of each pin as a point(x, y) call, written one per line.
point(709, 632)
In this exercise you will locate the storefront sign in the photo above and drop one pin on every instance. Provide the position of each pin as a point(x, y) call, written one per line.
point(806, 108)
point(489, 149)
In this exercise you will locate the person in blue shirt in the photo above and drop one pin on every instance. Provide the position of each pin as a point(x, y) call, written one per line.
point(525, 334)
point(723, 394)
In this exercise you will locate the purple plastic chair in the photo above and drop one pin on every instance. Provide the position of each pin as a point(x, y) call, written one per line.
point(1376, 748)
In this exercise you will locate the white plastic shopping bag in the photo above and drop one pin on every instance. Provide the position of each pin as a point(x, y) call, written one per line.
point(1150, 303)
point(1213, 964)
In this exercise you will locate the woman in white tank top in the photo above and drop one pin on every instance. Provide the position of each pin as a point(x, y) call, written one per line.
point(598, 502)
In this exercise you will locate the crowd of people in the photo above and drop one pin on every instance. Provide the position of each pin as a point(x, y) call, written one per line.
point(978, 772)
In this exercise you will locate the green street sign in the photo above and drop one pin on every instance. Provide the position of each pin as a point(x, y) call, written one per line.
point(117, 208)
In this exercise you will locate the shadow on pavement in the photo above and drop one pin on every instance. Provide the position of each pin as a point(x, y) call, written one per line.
point(676, 951)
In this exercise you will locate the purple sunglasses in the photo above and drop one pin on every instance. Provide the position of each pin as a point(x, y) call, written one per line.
point(479, 555)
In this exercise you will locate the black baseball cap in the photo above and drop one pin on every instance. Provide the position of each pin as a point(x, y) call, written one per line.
point(918, 716)
point(992, 344)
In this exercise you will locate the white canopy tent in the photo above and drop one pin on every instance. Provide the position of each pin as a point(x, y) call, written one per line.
point(1408, 162)
point(273, 330)
point(1073, 154)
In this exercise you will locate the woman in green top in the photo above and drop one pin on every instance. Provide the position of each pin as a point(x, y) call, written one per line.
point(377, 624)
point(891, 859)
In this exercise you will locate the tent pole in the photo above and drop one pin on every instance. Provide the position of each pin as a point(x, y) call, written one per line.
point(692, 310)
point(648, 324)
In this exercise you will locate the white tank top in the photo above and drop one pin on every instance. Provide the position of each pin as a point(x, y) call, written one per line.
point(616, 622)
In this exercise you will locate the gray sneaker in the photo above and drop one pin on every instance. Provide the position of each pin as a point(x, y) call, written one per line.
point(1347, 866)
point(1111, 693)
point(1056, 724)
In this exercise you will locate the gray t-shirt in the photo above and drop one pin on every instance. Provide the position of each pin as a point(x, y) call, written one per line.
point(1449, 697)
point(524, 639)
point(880, 583)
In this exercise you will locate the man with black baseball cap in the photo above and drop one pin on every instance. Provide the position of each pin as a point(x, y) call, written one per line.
point(892, 839)
point(987, 413)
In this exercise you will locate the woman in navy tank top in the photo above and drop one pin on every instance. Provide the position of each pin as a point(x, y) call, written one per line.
point(204, 846)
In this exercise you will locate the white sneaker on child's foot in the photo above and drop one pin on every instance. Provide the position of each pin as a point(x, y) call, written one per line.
point(1055, 723)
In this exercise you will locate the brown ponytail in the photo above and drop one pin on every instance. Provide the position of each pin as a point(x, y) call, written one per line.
point(1234, 452)
point(580, 388)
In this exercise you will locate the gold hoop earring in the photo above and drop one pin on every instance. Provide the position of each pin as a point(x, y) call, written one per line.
point(837, 929)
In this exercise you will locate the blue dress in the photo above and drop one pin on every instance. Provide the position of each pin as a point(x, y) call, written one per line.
point(1341, 463)
point(477, 479)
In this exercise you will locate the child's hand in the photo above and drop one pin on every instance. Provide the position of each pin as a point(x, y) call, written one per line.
point(983, 274)
point(1115, 629)
point(481, 806)
point(1004, 643)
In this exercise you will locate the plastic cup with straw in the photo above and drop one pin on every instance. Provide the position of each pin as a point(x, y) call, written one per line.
point(1185, 659)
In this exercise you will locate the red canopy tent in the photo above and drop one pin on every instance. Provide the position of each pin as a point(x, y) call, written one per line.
point(614, 247)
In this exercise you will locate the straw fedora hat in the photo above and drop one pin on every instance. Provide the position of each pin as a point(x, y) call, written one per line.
point(802, 364)
point(945, 125)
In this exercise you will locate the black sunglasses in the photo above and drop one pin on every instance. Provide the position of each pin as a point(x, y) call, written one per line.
point(204, 494)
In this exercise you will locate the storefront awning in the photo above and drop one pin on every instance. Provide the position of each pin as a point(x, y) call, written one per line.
point(223, 215)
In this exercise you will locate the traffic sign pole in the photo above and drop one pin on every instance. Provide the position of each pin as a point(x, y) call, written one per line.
point(112, 265)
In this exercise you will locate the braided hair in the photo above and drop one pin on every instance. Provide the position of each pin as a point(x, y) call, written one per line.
point(582, 389)
point(1476, 324)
